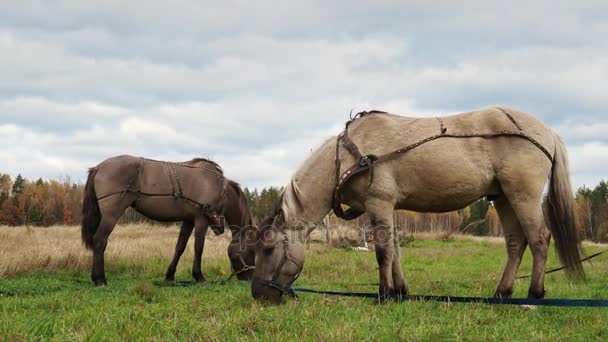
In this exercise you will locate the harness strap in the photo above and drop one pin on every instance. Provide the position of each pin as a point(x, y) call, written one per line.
point(510, 118)
point(366, 163)
point(140, 168)
point(245, 268)
point(180, 193)
point(170, 176)
point(211, 213)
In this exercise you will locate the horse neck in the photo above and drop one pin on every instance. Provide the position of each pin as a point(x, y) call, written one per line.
point(308, 197)
point(237, 214)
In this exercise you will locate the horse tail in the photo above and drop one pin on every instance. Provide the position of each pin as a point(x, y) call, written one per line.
point(91, 215)
point(561, 214)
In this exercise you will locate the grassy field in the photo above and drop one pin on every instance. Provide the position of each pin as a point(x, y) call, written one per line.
point(52, 299)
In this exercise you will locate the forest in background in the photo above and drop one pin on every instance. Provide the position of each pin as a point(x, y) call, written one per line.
point(43, 203)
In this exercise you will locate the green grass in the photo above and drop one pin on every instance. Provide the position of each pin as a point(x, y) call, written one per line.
point(64, 306)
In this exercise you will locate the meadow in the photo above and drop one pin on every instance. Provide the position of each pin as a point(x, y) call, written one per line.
point(45, 293)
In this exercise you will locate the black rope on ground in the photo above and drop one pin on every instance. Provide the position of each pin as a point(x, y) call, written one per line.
point(589, 303)
point(555, 270)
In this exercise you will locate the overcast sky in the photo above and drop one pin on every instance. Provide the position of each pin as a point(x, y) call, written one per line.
point(256, 85)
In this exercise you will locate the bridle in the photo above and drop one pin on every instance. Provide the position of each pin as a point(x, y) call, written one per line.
point(245, 268)
point(286, 258)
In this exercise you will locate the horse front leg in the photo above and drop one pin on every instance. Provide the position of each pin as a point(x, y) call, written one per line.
point(399, 283)
point(200, 231)
point(180, 247)
point(381, 217)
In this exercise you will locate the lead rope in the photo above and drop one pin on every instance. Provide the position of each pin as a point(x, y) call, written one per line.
point(587, 303)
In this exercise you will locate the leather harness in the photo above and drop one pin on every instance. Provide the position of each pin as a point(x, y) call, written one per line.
point(210, 212)
point(365, 163)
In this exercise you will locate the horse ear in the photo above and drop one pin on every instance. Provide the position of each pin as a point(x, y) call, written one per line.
point(279, 219)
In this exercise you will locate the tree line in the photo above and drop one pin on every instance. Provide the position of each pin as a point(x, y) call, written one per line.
point(43, 203)
point(592, 212)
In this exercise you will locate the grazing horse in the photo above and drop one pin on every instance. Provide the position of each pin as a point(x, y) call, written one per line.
point(194, 192)
point(240, 252)
point(428, 165)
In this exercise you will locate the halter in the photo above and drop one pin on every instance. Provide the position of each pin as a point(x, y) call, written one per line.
point(286, 257)
point(245, 268)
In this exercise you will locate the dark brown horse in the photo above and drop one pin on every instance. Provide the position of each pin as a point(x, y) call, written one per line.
point(194, 192)
point(241, 254)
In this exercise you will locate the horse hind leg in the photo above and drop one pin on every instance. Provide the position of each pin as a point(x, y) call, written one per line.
point(200, 232)
point(111, 210)
point(526, 204)
point(532, 220)
point(516, 245)
point(180, 247)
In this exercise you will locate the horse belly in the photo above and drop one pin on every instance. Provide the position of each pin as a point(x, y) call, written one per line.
point(164, 209)
point(448, 181)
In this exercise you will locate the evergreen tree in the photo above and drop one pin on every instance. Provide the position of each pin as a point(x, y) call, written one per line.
point(18, 186)
point(5, 187)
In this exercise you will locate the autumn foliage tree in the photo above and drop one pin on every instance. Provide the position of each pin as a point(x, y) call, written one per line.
point(52, 202)
point(592, 212)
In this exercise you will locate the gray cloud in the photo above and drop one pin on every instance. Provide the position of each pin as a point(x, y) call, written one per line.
point(256, 85)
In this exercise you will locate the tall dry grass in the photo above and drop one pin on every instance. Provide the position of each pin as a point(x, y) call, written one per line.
point(58, 248)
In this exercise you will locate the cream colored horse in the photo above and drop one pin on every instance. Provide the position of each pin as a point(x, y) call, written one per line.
point(442, 175)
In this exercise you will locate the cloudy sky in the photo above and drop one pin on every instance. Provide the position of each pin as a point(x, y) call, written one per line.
point(256, 85)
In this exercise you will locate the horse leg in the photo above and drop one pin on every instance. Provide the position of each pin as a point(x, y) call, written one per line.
point(381, 217)
point(399, 283)
point(531, 218)
point(182, 241)
point(111, 210)
point(200, 231)
point(525, 196)
point(516, 245)
point(100, 242)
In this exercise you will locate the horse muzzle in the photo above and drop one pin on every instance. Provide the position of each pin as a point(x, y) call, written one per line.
point(263, 292)
point(245, 275)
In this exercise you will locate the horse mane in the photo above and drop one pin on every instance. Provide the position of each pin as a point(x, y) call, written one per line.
point(292, 198)
point(195, 161)
point(243, 210)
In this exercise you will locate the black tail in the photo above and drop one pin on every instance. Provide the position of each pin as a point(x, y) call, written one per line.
point(91, 215)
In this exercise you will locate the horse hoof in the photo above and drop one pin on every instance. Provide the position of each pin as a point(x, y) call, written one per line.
point(101, 283)
point(390, 297)
point(199, 279)
point(401, 292)
point(536, 294)
point(503, 294)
